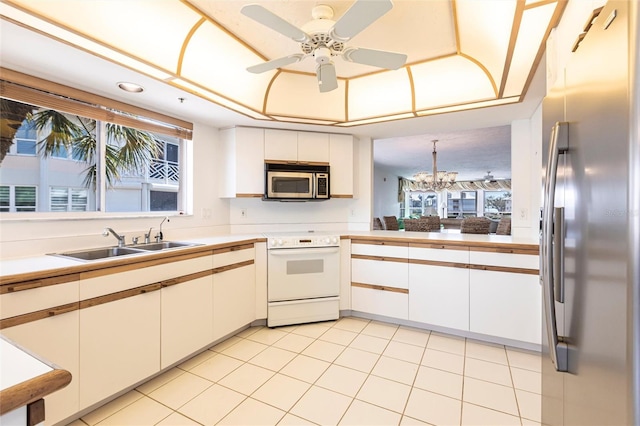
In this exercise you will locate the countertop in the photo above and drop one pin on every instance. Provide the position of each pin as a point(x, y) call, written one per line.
point(25, 378)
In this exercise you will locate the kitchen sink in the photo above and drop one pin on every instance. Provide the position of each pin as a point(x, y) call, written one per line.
point(110, 252)
point(163, 245)
point(99, 253)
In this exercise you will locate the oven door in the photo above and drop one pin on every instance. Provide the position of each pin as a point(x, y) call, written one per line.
point(303, 273)
point(289, 185)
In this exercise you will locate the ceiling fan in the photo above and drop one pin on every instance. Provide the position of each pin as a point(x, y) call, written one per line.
point(322, 38)
point(489, 177)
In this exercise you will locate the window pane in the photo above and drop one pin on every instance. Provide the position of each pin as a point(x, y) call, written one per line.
point(79, 199)
point(25, 196)
point(59, 198)
point(164, 201)
point(25, 147)
point(172, 152)
point(4, 198)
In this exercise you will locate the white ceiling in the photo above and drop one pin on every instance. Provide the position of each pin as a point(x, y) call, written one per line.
point(401, 146)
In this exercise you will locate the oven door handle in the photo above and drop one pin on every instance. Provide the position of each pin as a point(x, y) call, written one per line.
point(303, 251)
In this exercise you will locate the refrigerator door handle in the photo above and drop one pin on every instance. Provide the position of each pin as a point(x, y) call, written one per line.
point(559, 143)
point(558, 253)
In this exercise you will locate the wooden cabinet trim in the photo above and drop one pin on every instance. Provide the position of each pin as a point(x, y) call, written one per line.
point(232, 266)
point(341, 196)
point(35, 413)
point(438, 246)
point(233, 248)
point(506, 250)
point(249, 195)
point(439, 263)
point(505, 269)
point(112, 297)
point(381, 287)
point(381, 243)
point(379, 258)
point(471, 245)
point(306, 163)
point(38, 315)
point(37, 283)
point(32, 390)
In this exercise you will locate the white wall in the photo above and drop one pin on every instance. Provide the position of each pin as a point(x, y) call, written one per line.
point(385, 190)
point(335, 214)
point(55, 232)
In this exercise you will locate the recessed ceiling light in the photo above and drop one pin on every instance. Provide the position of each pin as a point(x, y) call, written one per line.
point(130, 87)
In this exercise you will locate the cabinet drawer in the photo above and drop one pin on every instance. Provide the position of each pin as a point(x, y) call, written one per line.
point(231, 255)
point(439, 253)
point(384, 249)
point(383, 273)
point(112, 283)
point(36, 299)
point(380, 302)
point(509, 260)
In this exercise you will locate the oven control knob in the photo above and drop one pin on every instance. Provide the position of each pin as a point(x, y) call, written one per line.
point(334, 240)
point(280, 242)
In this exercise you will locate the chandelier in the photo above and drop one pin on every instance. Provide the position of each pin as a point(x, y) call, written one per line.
point(436, 181)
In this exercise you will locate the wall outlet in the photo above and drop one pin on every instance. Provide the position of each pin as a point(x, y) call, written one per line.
point(243, 212)
point(524, 214)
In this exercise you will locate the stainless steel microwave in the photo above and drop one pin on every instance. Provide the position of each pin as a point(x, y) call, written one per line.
point(296, 182)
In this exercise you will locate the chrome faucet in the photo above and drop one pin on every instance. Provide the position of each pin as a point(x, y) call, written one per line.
point(159, 235)
point(106, 231)
point(147, 236)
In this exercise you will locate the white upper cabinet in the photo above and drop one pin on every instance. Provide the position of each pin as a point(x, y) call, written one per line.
point(242, 165)
point(289, 145)
point(313, 147)
point(341, 162)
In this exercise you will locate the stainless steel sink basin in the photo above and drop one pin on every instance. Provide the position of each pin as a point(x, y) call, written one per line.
point(163, 245)
point(100, 253)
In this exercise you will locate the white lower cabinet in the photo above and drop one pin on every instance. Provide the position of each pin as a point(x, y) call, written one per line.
point(119, 345)
point(439, 295)
point(186, 322)
point(56, 340)
point(233, 300)
point(505, 304)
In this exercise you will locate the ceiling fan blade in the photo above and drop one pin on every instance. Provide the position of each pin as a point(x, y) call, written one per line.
point(359, 16)
point(376, 58)
point(275, 63)
point(327, 79)
point(273, 21)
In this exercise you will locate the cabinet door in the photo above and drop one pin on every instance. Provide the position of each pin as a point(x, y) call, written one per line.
point(249, 164)
point(313, 147)
point(241, 171)
point(382, 273)
point(505, 304)
point(186, 319)
point(379, 302)
point(341, 162)
point(280, 145)
point(119, 345)
point(234, 303)
point(439, 295)
point(56, 340)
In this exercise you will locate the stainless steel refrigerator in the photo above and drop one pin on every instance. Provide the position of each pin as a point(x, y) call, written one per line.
point(590, 247)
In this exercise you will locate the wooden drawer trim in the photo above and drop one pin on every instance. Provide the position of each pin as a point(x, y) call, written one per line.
point(506, 250)
point(32, 390)
point(438, 246)
point(43, 282)
point(381, 287)
point(439, 263)
point(381, 243)
point(379, 258)
point(38, 315)
point(233, 248)
point(185, 278)
point(88, 303)
point(232, 266)
point(310, 163)
point(505, 269)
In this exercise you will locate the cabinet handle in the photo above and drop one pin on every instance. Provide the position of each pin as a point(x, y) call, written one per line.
point(63, 309)
point(24, 286)
point(169, 283)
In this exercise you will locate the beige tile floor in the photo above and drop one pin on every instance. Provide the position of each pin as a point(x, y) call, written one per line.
point(348, 372)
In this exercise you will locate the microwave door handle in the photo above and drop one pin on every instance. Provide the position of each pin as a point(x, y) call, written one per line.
point(558, 144)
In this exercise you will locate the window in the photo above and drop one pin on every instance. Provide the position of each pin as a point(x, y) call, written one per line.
point(142, 169)
point(17, 198)
point(461, 204)
point(421, 204)
point(68, 199)
point(497, 203)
